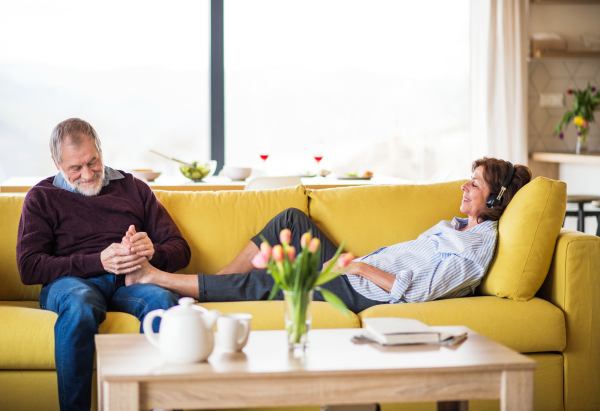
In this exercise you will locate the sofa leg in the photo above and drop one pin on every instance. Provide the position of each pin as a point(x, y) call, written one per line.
point(453, 406)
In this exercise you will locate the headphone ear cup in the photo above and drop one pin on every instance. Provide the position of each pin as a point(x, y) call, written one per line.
point(491, 201)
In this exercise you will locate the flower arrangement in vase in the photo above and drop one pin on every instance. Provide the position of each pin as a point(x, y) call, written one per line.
point(585, 102)
point(298, 276)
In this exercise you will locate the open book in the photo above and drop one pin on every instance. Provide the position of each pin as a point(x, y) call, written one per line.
point(398, 331)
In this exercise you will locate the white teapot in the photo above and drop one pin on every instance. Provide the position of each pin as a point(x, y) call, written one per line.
point(186, 331)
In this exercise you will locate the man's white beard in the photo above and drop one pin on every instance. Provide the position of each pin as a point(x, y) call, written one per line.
point(89, 191)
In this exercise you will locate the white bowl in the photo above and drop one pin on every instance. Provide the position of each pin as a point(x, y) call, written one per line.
point(146, 175)
point(237, 173)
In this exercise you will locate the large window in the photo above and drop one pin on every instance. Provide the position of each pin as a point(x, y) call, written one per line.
point(383, 85)
point(136, 70)
point(380, 85)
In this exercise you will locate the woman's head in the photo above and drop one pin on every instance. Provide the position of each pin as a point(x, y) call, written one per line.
point(488, 176)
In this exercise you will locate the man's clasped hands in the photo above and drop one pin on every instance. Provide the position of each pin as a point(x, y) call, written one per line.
point(126, 257)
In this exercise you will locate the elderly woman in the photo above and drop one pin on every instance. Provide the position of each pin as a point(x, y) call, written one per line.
point(447, 261)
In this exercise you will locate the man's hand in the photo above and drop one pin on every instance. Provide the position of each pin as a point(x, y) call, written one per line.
point(117, 259)
point(138, 243)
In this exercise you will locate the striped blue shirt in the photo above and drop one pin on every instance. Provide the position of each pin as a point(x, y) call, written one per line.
point(442, 263)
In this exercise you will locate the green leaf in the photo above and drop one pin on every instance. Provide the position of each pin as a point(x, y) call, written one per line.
point(274, 291)
point(326, 278)
point(565, 121)
point(334, 300)
point(274, 271)
point(315, 261)
point(558, 128)
point(332, 264)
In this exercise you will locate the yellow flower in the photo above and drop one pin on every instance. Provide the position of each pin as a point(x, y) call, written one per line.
point(578, 121)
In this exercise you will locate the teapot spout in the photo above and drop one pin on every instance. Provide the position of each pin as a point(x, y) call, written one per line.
point(211, 317)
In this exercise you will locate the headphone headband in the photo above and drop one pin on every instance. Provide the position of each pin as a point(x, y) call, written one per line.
point(494, 199)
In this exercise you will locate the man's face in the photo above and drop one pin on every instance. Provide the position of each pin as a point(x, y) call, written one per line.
point(82, 166)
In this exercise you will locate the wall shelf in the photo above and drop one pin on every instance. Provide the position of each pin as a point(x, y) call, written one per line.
point(565, 1)
point(576, 54)
point(588, 159)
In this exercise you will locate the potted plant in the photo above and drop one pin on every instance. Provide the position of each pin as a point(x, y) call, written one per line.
point(585, 102)
point(298, 276)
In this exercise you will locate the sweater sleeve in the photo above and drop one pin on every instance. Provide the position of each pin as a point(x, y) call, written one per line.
point(171, 251)
point(36, 243)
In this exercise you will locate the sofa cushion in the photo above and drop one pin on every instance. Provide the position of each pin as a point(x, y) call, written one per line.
point(527, 235)
point(233, 218)
point(371, 217)
point(525, 326)
point(27, 335)
point(11, 287)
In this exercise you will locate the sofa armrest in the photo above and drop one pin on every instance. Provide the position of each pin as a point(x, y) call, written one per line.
point(573, 285)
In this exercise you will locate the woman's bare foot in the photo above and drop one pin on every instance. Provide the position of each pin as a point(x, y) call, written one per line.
point(144, 275)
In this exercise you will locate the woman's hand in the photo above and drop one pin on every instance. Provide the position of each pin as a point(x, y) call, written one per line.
point(340, 259)
point(356, 268)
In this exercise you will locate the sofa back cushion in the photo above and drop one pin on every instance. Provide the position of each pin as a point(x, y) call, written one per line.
point(218, 224)
point(370, 217)
point(527, 235)
point(11, 287)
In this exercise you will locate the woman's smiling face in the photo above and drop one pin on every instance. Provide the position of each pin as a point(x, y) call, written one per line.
point(476, 192)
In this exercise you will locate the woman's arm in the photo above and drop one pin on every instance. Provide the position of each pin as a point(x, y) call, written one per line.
point(381, 278)
point(425, 283)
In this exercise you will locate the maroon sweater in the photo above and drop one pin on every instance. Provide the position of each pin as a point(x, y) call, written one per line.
point(63, 233)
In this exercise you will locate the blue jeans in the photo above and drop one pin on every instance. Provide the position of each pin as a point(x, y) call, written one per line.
point(81, 306)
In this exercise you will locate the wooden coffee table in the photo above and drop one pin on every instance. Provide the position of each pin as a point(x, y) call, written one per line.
point(132, 374)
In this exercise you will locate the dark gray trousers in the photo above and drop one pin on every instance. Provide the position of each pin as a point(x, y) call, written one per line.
point(256, 285)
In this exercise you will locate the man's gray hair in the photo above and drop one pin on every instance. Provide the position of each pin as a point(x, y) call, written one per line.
point(73, 128)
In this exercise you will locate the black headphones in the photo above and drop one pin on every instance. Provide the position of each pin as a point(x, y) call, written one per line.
point(495, 200)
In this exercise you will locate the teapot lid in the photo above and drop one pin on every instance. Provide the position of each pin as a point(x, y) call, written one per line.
point(184, 308)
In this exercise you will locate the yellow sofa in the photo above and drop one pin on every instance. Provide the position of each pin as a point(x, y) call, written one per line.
point(557, 324)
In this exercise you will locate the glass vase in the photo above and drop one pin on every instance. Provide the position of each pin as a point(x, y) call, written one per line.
point(298, 317)
point(582, 146)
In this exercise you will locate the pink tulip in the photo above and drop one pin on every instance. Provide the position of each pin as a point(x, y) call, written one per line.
point(285, 236)
point(584, 124)
point(305, 240)
point(291, 252)
point(259, 261)
point(278, 253)
point(314, 245)
point(265, 249)
point(345, 259)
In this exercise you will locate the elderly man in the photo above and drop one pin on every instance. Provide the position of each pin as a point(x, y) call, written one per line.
point(70, 240)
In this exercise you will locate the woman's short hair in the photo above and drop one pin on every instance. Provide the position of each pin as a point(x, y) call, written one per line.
point(74, 128)
point(494, 173)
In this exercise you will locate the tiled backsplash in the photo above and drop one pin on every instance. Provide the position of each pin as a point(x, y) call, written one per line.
point(556, 76)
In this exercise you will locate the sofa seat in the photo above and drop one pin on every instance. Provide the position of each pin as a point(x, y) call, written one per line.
point(525, 326)
point(27, 338)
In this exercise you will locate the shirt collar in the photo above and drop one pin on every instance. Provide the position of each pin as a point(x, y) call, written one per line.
point(458, 223)
point(109, 175)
